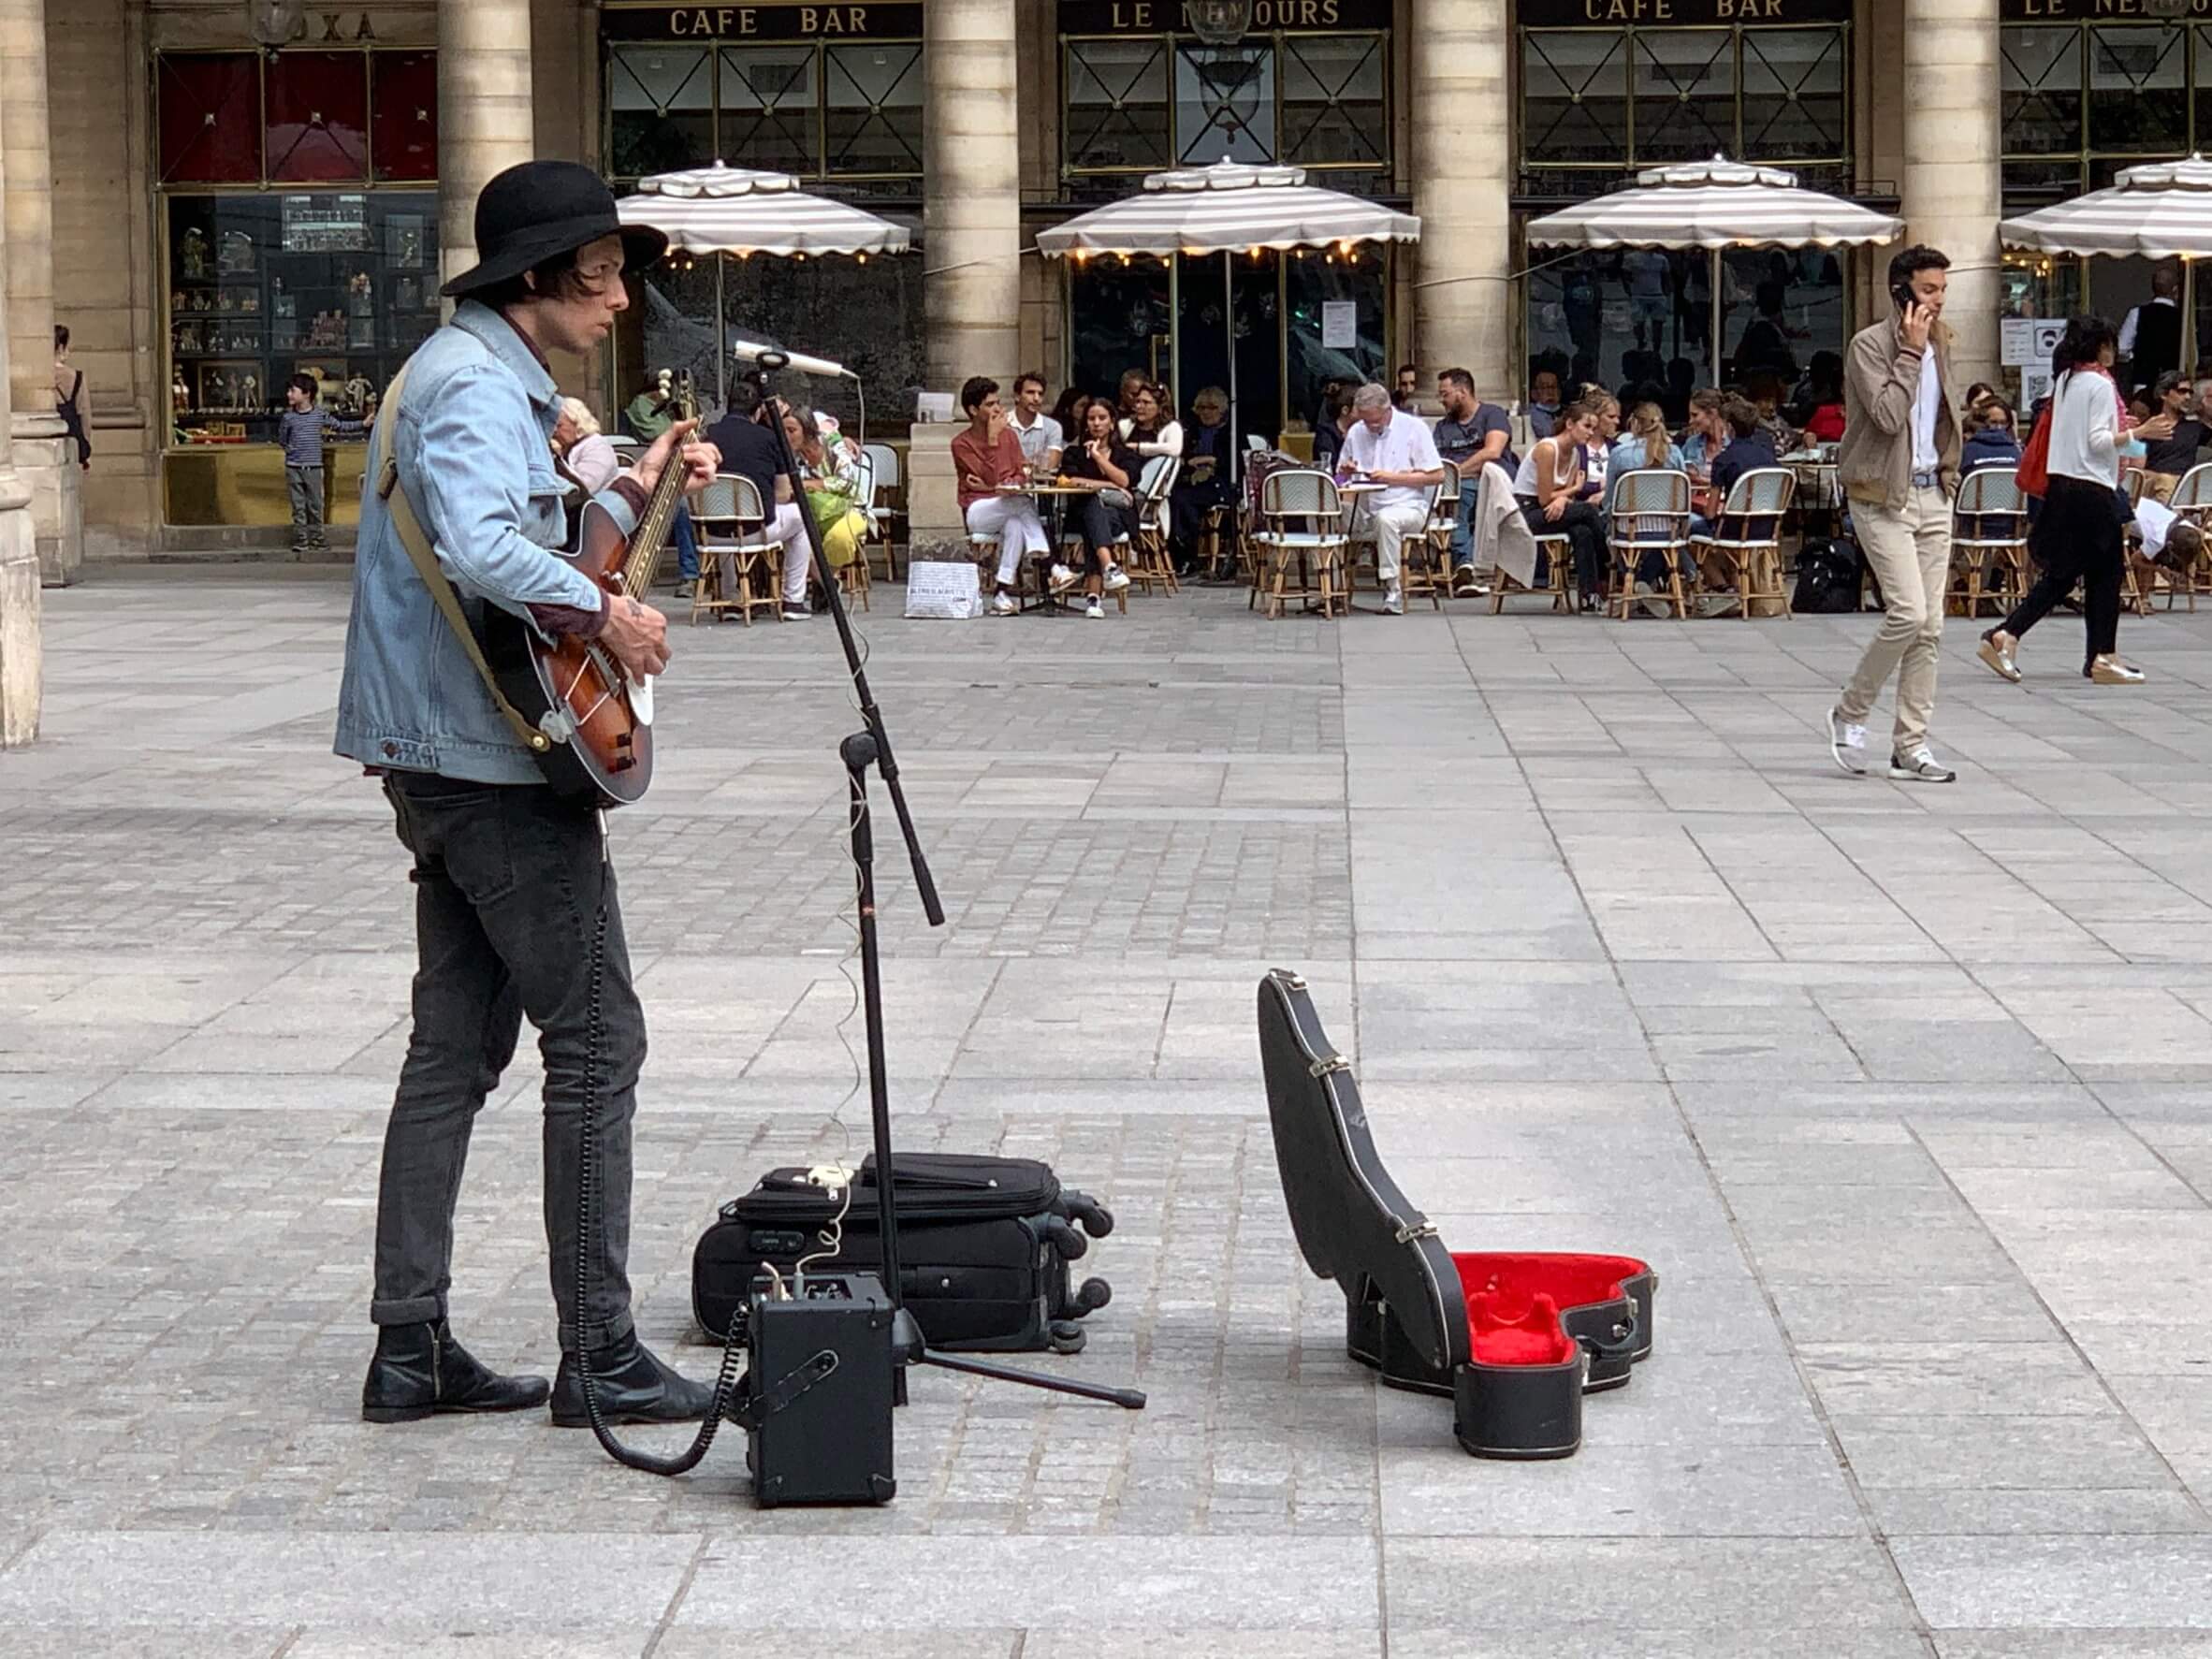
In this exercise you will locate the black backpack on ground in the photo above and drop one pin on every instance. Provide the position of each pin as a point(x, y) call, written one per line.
point(984, 1249)
point(1827, 578)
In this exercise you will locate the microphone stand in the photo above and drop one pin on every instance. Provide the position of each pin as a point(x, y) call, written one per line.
point(870, 746)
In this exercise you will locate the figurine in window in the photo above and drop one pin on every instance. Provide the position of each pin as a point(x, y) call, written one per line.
point(188, 339)
point(249, 392)
point(195, 253)
point(238, 252)
point(360, 393)
point(180, 394)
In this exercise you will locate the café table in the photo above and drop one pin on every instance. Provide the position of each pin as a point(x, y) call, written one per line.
point(1055, 497)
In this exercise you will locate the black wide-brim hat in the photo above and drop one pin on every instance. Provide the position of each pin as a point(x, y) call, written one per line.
point(537, 210)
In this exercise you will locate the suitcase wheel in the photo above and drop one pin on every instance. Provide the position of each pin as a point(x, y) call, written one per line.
point(1097, 1219)
point(1093, 1295)
point(1066, 1238)
point(1066, 1336)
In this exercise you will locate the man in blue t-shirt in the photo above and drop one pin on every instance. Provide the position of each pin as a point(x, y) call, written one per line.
point(1471, 435)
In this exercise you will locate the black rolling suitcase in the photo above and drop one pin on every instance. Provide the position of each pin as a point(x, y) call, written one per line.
point(984, 1249)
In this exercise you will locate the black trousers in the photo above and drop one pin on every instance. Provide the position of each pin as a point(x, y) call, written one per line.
point(2076, 538)
point(1101, 524)
point(1585, 528)
point(509, 881)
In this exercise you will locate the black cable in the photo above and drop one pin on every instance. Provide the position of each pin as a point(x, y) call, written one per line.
point(725, 1382)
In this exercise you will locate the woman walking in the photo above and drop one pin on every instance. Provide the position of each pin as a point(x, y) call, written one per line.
point(2076, 537)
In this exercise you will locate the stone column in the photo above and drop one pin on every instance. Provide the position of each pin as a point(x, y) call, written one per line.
point(1463, 300)
point(19, 546)
point(45, 460)
point(971, 218)
point(1951, 181)
point(971, 195)
point(485, 121)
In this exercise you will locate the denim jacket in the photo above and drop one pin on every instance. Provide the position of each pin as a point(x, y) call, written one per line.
point(473, 434)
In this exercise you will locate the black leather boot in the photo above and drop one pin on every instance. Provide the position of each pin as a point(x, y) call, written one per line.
point(631, 1387)
point(420, 1369)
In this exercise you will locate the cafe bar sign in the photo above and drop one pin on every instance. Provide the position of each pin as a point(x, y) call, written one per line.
point(1568, 14)
point(770, 19)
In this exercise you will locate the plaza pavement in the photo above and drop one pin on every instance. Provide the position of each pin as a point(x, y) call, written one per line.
point(1905, 1091)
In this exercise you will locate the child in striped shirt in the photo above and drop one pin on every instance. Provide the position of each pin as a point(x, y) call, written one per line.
point(300, 431)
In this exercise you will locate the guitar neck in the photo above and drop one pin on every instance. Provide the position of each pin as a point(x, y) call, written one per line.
point(643, 557)
point(651, 535)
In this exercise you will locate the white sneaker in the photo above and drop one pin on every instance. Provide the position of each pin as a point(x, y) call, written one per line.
point(1919, 767)
point(1394, 603)
point(1847, 742)
point(1117, 578)
point(1062, 578)
point(1002, 605)
point(1094, 611)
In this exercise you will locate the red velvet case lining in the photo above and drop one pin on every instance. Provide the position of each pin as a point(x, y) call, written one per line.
point(1513, 1301)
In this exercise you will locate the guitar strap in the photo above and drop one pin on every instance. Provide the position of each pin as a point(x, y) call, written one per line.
point(418, 547)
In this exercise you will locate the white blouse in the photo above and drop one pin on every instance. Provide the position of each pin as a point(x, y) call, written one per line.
point(1170, 441)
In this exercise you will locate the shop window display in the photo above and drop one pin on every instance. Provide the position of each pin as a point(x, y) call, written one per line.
point(340, 285)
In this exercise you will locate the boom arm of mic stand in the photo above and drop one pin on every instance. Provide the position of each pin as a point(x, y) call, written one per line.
point(886, 762)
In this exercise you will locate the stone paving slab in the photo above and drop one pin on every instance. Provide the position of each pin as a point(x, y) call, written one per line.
point(1903, 1089)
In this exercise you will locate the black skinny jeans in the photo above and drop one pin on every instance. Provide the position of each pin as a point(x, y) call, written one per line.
point(508, 885)
point(1101, 524)
point(1585, 528)
point(2081, 544)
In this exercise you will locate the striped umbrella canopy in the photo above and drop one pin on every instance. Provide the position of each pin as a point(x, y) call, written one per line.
point(1713, 205)
point(1224, 209)
point(2162, 209)
point(726, 210)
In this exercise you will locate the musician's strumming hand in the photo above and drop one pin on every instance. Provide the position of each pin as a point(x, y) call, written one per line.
point(701, 460)
point(637, 633)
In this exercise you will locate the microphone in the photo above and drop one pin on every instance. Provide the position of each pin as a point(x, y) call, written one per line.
point(752, 351)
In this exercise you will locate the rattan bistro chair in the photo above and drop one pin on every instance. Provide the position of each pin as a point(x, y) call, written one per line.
point(1648, 511)
point(1424, 562)
point(1150, 564)
point(1988, 543)
point(884, 483)
point(1745, 542)
point(740, 569)
point(1302, 524)
point(2192, 504)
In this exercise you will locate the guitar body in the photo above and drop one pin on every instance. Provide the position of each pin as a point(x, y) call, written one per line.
point(573, 689)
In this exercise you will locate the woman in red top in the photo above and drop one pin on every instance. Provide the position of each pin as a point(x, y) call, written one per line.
point(985, 457)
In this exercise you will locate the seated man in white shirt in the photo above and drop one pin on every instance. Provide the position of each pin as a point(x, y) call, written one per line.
point(1039, 433)
point(1392, 448)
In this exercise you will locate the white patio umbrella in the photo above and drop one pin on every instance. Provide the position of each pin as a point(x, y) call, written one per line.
point(722, 210)
point(1715, 205)
point(1226, 209)
point(2162, 209)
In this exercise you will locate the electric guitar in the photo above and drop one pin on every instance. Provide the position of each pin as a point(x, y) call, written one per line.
point(600, 719)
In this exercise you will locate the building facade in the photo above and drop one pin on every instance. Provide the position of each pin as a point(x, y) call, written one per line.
point(241, 191)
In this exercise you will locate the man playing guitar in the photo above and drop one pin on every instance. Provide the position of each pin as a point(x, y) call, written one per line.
point(514, 901)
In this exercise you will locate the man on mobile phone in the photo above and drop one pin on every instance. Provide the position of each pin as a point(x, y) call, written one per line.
point(1899, 466)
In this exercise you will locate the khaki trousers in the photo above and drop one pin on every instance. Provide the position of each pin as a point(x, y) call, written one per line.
point(1910, 554)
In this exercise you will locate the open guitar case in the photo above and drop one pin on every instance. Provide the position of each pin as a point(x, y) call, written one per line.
point(1515, 1338)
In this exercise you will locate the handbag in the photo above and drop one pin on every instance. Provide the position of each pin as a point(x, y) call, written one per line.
point(2034, 470)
